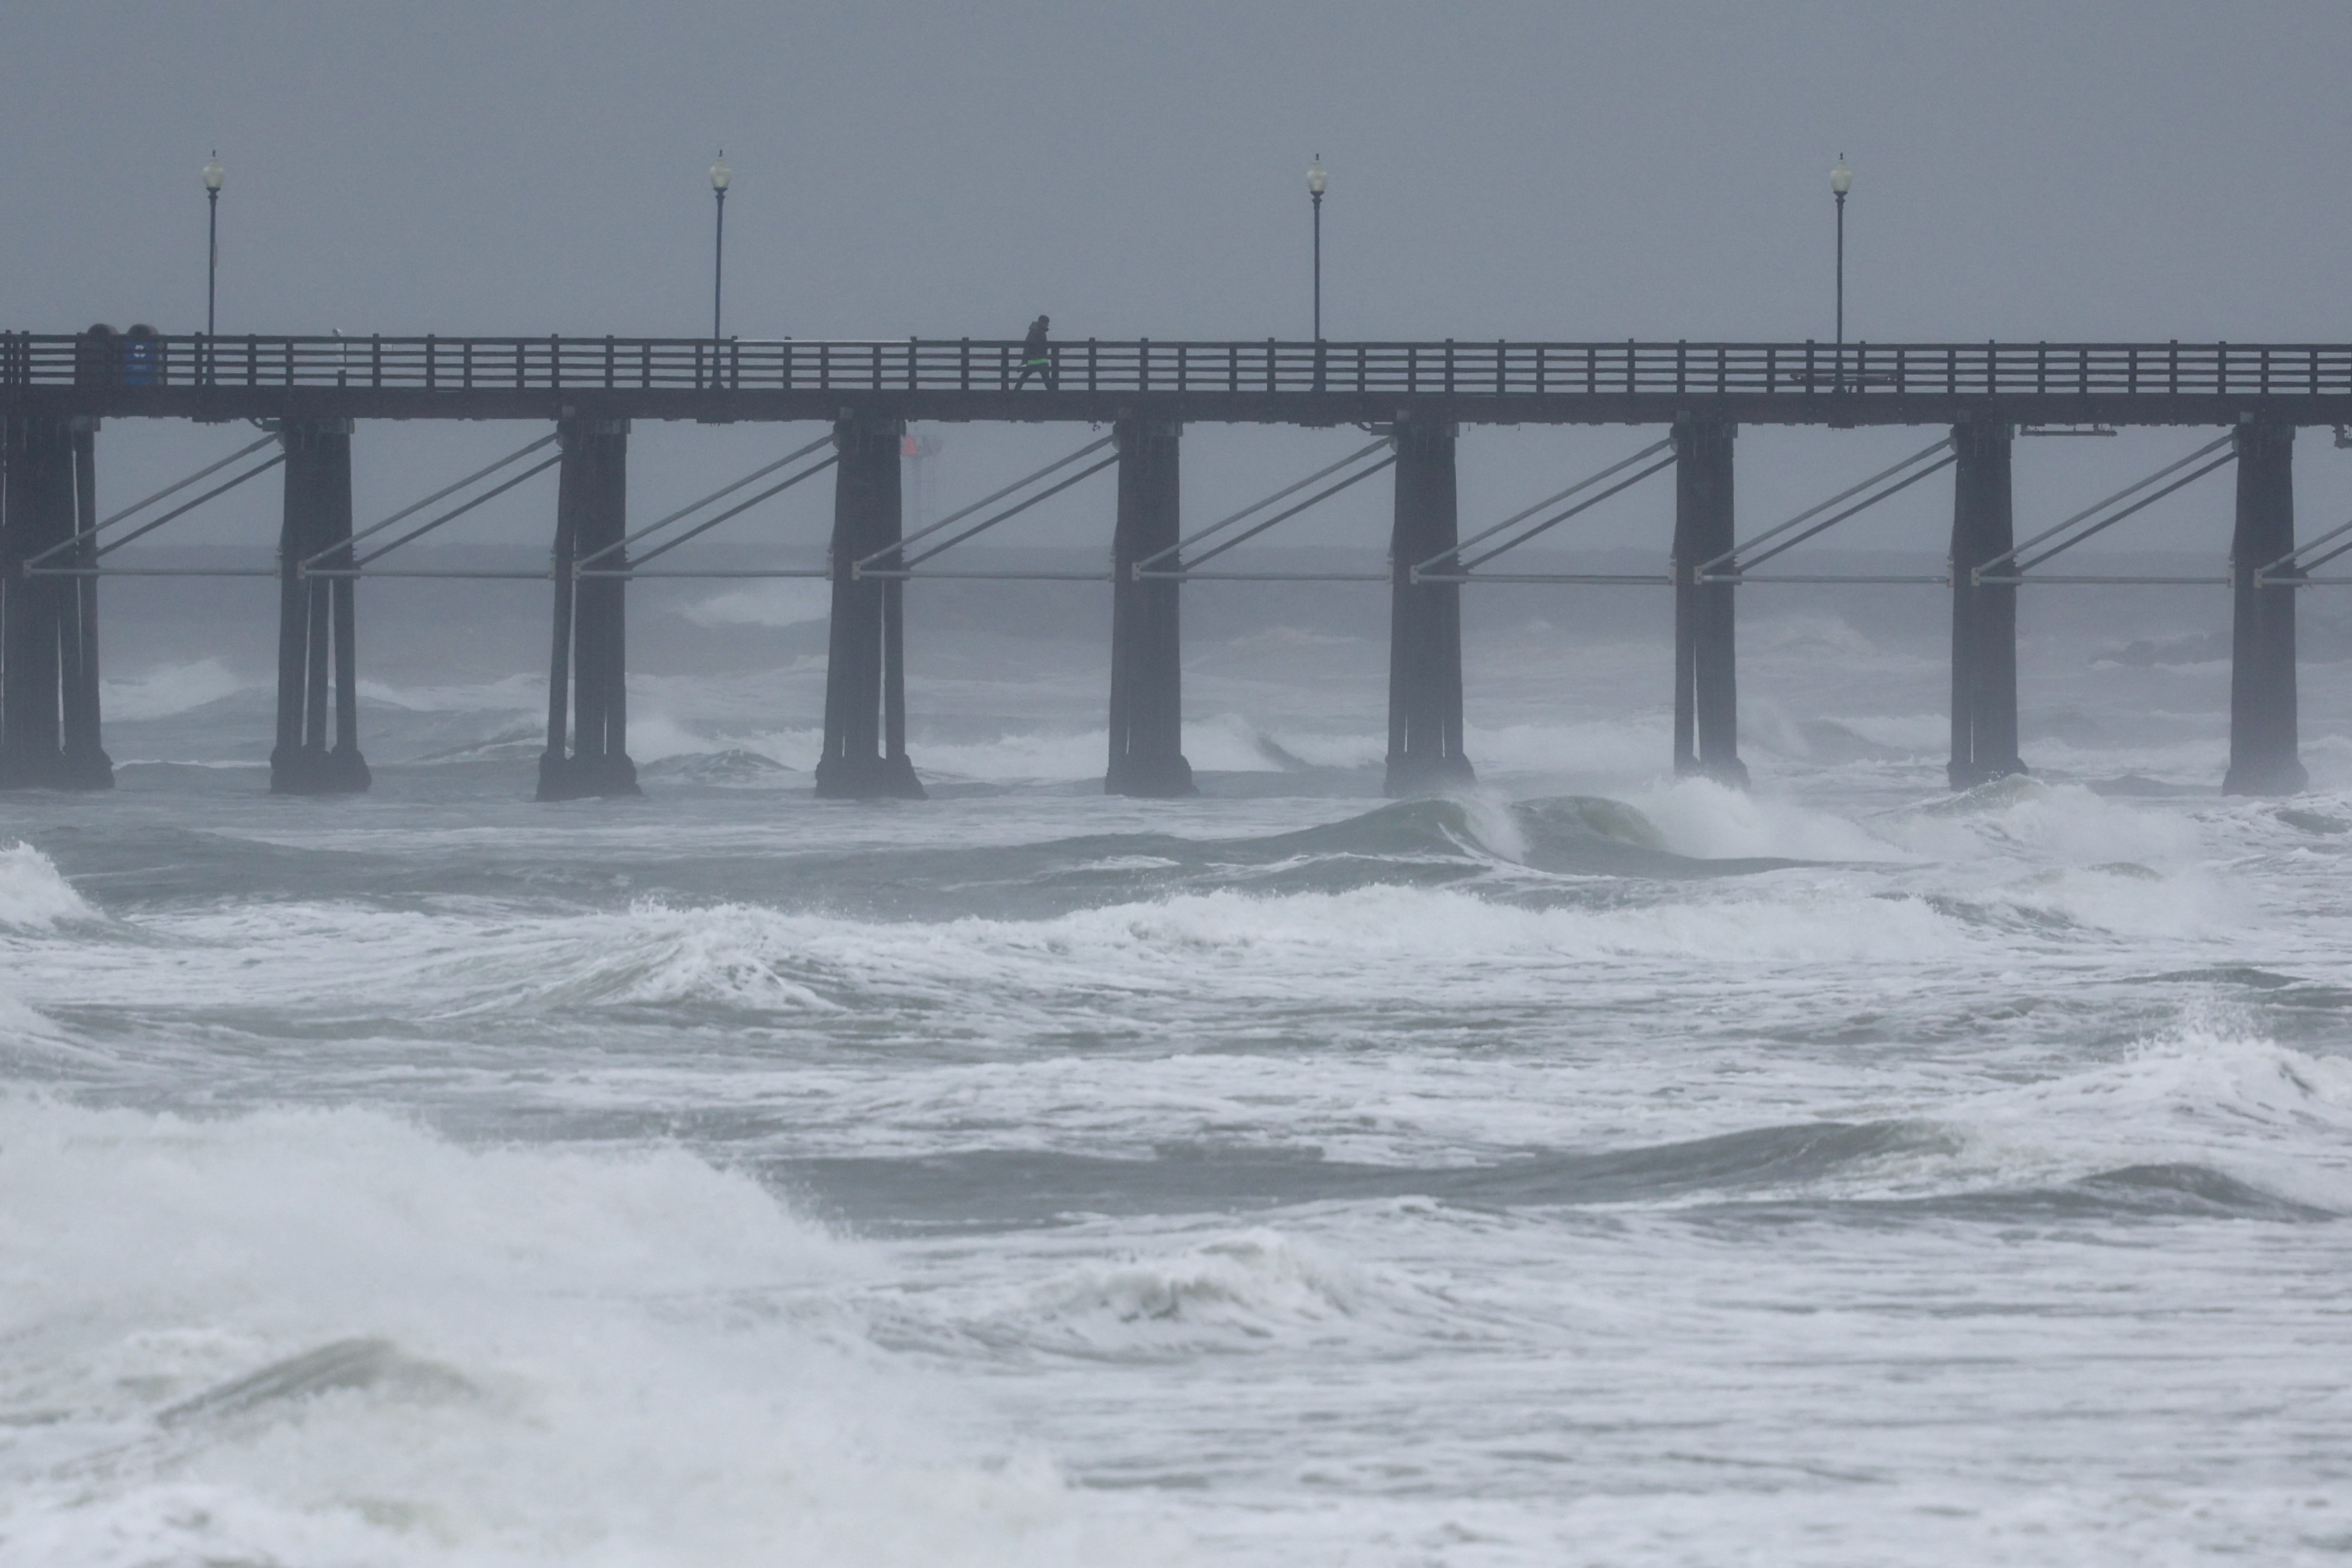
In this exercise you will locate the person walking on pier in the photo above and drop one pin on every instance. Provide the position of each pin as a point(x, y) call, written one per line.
point(1037, 357)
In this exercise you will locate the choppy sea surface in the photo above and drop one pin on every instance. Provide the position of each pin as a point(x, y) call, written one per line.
point(1595, 1169)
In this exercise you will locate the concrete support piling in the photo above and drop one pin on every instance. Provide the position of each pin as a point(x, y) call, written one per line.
point(1425, 754)
point(1706, 688)
point(87, 764)
point(2264, 745)
point(587, 753)
point(40, 515)
point(49, 727)
point(1984, 615)
point(864, 679)
point(318, 748)
point(1147, 678)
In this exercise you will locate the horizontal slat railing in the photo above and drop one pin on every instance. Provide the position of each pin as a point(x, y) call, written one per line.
point(1461, 369)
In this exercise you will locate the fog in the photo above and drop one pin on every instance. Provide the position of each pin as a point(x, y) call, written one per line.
point(2096, 171)
point(1878, 1165)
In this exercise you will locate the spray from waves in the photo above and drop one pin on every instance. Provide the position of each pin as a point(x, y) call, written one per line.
point(2023, 817)
point(1371, 946)
point(2206, 1117)
point(1219, 743)
point(1701, 819)
point(1236, 1287)
point(2019, 821)
point(1206, 1289)
point(1600, 749)
point(1582, 836)
point(1424, 900)
point(779, 602)
point(730, 767)
point(1223, 742)
point(2205, 1096)
point(36, 905)
point(169, 689)
point(330, 1338)
point(2204, 1121)
point(33, 896)
point(2202, 1125)
point(520, 693)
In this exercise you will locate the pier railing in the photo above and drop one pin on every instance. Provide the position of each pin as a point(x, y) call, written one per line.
point(1460, 368)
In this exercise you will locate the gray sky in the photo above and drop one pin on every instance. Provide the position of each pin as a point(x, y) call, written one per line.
point(2141, 170)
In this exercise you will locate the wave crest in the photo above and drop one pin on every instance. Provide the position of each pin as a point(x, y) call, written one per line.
point(33, 895)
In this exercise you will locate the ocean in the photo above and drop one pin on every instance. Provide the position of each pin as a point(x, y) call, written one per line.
point(1596, 1168)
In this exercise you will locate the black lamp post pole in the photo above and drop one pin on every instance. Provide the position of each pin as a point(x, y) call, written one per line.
point(212, 259)
point(211, 238)
point(1319, 265)
point(721, 176)
point(1840, 274)
point(1318, 177)
point(717, 262)
point(1841, 181)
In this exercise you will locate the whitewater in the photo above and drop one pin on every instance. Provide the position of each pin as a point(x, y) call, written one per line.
point(1597, 1168)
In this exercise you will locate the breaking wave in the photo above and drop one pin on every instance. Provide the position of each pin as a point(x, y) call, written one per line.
point(327, 1337)
point(33, 896)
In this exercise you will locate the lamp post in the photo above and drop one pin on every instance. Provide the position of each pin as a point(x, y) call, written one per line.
point(213, 175)
point(721, 176)
point(1841, 181)
point(1319, 180)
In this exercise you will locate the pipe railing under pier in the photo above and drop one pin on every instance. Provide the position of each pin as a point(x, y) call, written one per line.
point(583, 567)
point(309, 565)
point(1181, 574)
point(33, 565)
point(2097, 523)
point(1421, 571)
point(866, 566)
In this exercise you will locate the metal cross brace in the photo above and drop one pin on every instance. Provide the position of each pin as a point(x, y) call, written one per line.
point(173, 489)
point(580, 569)
point(1246, 534)
point(144, 529)
point(1737, 551)
point(442, 494)
point(719, 494)
point(1143, 567)
point(1414, 574)
point(908, 563)
point(857, 567)
point(2296, 574)
point(2019, 568)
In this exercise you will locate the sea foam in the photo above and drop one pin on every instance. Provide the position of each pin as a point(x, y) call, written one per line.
point(333, 1338)
point(33, 896)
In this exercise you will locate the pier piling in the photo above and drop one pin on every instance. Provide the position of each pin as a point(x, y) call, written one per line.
point(1707, 691)
point(1147, 676)
point(318, 645)
point(1984, 614)
point(588, 666)
point(2263, 748)
point(1425, 754)
point(87, 765)
point(865, 672)
point(49, 731)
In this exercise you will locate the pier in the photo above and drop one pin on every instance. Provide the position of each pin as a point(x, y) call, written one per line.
point(582, 399)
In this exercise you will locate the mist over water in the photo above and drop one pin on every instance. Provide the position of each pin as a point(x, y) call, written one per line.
point(1598, 1168)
